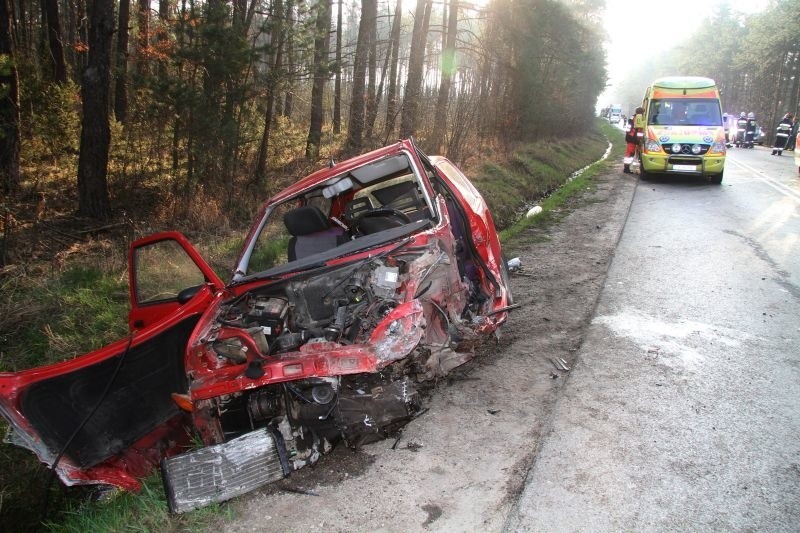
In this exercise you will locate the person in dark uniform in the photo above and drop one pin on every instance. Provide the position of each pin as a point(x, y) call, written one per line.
point(750, 130)
point(741, 126)
point(790, 146)
point(782, 132)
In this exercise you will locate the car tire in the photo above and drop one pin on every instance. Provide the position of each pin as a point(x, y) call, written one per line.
point(716, 178)
point(643, 174)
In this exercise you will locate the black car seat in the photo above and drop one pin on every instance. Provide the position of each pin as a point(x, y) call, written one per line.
point(311, 233)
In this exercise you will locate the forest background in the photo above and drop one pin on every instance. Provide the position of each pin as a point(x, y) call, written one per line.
point(191, 112)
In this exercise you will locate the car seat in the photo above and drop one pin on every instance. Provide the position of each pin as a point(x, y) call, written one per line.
point(311, 233)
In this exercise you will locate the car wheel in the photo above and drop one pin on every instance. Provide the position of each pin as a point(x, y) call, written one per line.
point(505, 277)
point(716, 178)
point(643, 174)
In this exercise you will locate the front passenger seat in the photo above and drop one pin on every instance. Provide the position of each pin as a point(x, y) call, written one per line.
point(311, 232)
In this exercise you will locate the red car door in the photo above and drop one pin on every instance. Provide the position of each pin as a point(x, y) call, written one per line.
point(108, 416)
point(165, 272)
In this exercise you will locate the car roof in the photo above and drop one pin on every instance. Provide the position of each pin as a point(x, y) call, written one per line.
point(684, 82)
point(339, 169)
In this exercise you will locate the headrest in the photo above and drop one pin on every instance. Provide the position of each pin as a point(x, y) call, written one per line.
point(305, 220)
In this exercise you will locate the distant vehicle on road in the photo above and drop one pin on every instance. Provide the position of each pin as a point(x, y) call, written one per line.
point(684, 132)
point(760, 137)
point(615, 114)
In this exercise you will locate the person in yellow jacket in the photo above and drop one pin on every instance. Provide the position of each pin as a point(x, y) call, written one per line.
point(633, 136)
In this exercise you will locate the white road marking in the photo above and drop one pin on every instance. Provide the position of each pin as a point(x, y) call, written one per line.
point(762, 177)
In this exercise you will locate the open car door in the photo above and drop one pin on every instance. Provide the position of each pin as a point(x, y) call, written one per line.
point(165, 273)
point(109, 416)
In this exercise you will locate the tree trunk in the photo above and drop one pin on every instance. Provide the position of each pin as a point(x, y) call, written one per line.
point(93, 196)
point(54, 41)
point(372, 65)
point(19, 26)
point(76, 30)
point(774, 118)
point(239, 13)
point(9, 105)
point(275, 65)
point(286, 110)
point(448, 68)
point(337, 86)
point(355, 127)
point(391, 93)
point(416, 62)
point(143, 40)
point(121, 87)
point(165, 10)
point(372, 111)
point(320, 70)
point(794, 93)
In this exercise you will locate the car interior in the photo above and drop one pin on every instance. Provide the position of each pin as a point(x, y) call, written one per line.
point(348, 212)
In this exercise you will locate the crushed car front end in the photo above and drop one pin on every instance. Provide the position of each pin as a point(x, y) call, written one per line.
point(355, 287)
point(333, 347)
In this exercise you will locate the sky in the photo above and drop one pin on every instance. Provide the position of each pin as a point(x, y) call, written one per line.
point(653, 21)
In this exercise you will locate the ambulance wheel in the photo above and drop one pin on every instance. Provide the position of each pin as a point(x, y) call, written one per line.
point(716, 178)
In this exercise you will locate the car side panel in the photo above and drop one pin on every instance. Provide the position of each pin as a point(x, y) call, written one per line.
point(482, 228)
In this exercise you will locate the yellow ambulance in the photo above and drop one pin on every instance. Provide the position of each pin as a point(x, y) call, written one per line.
point(683, 131)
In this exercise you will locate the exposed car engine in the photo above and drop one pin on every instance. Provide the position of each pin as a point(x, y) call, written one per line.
point(340, 306)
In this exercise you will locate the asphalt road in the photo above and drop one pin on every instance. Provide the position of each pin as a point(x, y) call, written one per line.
point(682, 411)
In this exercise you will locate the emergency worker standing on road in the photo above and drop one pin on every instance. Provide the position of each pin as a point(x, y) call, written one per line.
point(790, 146)
point(632, 137)
point(750, 131)
point(782, 132)
point(741, 126)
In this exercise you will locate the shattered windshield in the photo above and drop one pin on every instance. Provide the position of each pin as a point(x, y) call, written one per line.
point(363, 207)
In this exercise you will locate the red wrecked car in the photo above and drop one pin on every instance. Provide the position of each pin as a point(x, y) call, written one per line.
point(354, 285)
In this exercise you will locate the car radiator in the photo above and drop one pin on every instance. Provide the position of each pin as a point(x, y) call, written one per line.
point(223, 471)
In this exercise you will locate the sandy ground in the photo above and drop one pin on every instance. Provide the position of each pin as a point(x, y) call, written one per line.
point(462, 465)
